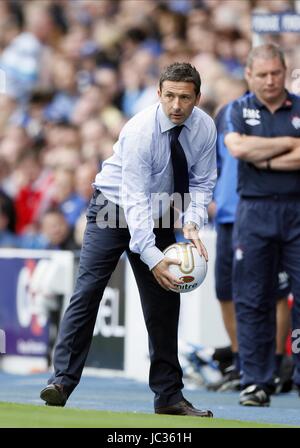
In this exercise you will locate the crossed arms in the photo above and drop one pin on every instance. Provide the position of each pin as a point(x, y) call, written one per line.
point(277, 153)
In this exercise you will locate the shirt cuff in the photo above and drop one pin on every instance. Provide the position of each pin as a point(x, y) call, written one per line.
point(152, 256)
point(192, 217)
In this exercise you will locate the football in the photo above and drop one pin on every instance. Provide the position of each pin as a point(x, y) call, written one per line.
point(193, 267)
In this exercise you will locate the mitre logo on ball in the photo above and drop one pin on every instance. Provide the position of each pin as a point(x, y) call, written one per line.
point(193, 267)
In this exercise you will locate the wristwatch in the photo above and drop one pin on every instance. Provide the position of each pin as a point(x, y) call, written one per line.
point(193, 224)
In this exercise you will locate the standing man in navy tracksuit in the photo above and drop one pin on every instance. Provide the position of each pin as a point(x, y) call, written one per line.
point(167, 148)
point(263, 132)
point(226, 200)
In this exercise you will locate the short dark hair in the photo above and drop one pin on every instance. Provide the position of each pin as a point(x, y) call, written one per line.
point(266, 51)
point(181, 71)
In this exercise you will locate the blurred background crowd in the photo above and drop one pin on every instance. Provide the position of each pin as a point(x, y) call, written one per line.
point(72, 73)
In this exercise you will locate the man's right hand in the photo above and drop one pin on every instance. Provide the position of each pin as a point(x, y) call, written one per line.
point(163, 276)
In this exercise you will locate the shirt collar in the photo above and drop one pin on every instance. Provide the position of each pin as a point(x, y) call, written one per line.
point(287, 103)
point(166, 124)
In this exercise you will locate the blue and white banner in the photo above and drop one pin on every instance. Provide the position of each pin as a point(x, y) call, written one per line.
point(22, 317)
point(275, 23)
point(31, 283)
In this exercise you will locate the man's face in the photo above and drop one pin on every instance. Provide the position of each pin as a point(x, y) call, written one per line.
point(55, 228)
point(178, 100)
point(266, 78)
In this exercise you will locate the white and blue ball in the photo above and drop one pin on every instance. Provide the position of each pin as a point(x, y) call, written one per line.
point(193, 267)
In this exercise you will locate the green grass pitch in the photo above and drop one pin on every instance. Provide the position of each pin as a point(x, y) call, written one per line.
point(13, 415)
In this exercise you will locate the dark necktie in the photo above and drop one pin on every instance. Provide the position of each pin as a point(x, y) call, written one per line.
point(180, 167)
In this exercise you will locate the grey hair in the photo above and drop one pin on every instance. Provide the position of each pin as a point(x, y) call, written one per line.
point(266, 51)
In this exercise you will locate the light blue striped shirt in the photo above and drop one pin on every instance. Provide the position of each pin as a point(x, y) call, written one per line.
point(141, 167)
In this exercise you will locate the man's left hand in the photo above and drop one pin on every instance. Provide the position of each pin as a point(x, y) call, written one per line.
point(191, 233)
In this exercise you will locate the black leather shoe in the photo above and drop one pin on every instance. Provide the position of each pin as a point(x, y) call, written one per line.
point(54, 395)
point(183, 407)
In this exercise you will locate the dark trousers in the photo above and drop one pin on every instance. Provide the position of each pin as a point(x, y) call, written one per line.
point(266, 235)
point(223, 263)
point(224, 266)
point(101, 250)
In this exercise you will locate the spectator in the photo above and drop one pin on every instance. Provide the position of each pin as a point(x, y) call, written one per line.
point(62, 134)
point(24, 60)
point(32, 196)
point(84, 178)
point(54, 233)
point(55, 229)
point(65, 198)
point(65, 84)
point(14, 143)
point(96, 142)
point(8, 237)
point(32, 117)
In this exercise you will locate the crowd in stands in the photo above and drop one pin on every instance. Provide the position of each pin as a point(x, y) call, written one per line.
point(72, 73)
